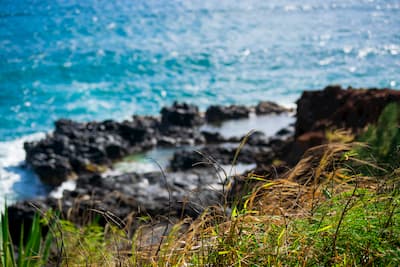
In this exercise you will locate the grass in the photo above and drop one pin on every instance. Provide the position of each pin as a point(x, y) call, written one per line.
point(339, 206)
point(383, 141)
point(32, 250)
point(344, 220)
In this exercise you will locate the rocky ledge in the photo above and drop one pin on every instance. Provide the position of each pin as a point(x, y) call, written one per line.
point(76, 149)
point(82, 150)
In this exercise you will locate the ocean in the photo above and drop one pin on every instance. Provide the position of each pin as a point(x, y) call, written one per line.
point(95, 59)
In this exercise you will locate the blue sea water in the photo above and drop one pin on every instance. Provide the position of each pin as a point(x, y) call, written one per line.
point(98, 59)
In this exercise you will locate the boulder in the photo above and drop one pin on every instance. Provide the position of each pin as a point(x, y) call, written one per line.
point(257, 138)
point(184, 160)
point(268, 107)
point(181, 114)
point(215, 114)
point(213, 137)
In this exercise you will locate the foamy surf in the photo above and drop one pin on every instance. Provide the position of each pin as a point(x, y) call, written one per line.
point(18, 182)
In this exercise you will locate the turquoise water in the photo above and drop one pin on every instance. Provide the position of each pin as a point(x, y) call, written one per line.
point(109, 59)
point(96, 59)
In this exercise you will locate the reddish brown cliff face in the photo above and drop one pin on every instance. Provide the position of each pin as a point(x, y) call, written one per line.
point(341, 108)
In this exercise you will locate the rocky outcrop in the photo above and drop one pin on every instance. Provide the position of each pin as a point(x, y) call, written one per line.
point(181, 114)
point(75, 149)
point(256, 147)
point(172, 196)
point(268, 107)
point(216, 114)
point(335, 107)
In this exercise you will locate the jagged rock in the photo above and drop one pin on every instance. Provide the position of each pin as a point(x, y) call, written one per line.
point(213, 138)
point(284, 132)
point(166, 141)
point(215, 114)
point(268, 107)
point(78, 148)
point(257, 138)
point(184, 160)
point(131, 194)
point(339, 108)
point(216, 154)
point(181, 114)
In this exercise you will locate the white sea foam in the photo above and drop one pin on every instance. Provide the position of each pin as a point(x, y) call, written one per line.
point(16, 181)
point(69, 185)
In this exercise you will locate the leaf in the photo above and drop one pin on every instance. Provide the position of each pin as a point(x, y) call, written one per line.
point(234, 213)
point(327, 193)
point(323, 229)
point(268, 185)
point(280, 236)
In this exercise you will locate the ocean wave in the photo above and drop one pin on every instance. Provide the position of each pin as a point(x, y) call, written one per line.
point(16, 180)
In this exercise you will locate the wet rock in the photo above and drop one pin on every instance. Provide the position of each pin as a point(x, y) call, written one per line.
point(215, 114)
point(181, 114)
point(68, 128)
point(257, 138)
point(169, 195)
point(268, 107)
point(182, 135)
point(213, 137)
point(284, 132)
point(80, 148)
point(215, 155)
point(52, 169)
point(184, 160)
point(166, 141)
point(75, 149)
point(115, 150)
point(131, 131)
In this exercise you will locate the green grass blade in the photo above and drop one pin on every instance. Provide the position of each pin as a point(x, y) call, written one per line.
point(8, 258)
point(33, 244)
point(21, 252)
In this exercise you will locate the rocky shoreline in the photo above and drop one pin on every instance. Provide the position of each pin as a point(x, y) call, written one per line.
point(81, 151)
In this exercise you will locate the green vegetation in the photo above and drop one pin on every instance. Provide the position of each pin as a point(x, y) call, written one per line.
point(383, 140)
point(362, 233)
point(34, 251)
point(340, 206)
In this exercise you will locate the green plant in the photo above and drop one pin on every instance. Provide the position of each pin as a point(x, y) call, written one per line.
point(383, 140)
point(32, 251)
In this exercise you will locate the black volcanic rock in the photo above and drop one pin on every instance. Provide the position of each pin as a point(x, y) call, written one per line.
point(79, 148)
point(130, 194)
point(268, 107)
point(181, 114)
point(213, 137)
point(215, 114)
point(217, 155)
point(184, 160)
